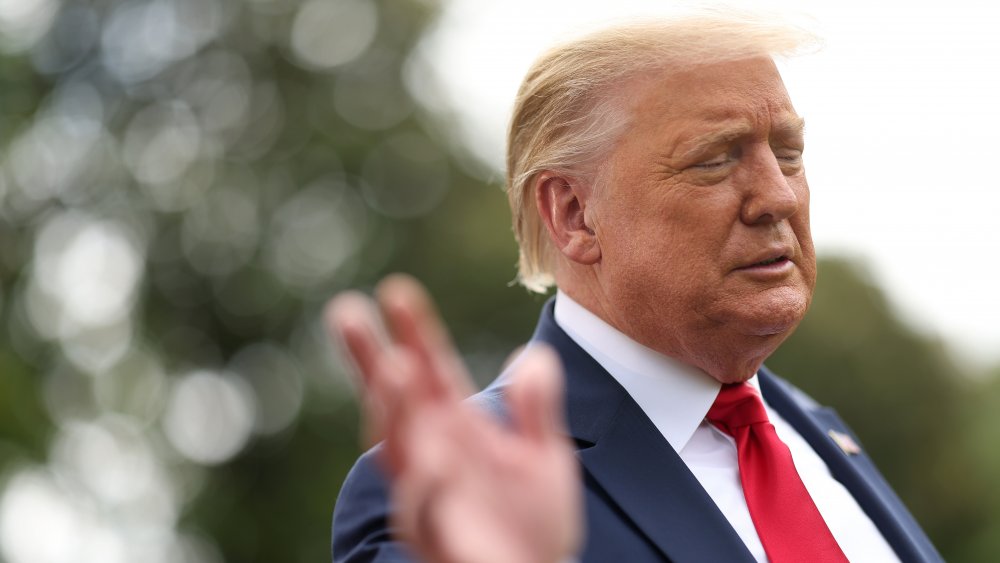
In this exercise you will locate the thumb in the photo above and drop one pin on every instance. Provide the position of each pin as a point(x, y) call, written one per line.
point(535, 398)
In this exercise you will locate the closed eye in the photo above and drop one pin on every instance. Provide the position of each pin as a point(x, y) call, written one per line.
point(712, 164)
point(717, 161)
point(791, 159)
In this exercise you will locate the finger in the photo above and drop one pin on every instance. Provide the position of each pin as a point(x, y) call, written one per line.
point(409, 407)
point(416, 325)
point(414, 495)
point(431, 474)
point(401, 399)
point(354, 326)
point(536, 398)
point(445, 484)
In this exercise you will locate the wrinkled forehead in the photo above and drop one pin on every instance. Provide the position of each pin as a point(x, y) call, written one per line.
point(673, 114)
point(741, 88)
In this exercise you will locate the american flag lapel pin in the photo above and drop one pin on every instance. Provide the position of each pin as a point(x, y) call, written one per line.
point(846, 443)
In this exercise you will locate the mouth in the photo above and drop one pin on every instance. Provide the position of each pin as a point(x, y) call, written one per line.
point(773, 260)
point(769, 261)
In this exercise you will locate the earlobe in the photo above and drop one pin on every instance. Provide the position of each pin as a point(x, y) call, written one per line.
point(562, 204)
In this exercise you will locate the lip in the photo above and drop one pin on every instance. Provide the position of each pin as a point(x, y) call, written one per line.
point(773, 259)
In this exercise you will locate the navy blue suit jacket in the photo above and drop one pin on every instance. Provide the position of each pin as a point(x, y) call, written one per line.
point(642, 502)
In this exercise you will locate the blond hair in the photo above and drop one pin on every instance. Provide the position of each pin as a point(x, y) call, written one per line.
point(568, 114)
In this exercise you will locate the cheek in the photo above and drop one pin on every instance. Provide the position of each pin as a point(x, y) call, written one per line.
point(807, 264)
point(800, 222)
point(802, 193)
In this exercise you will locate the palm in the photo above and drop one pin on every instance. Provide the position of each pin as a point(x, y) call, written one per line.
point(465, 487)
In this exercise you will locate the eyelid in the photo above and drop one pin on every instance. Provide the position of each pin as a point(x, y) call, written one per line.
point(721, 155)
point(716, 161)
point(797, 148)
point(786, 152)
point(789, 161)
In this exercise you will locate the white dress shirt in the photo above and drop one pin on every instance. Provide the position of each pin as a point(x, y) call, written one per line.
point(676, 397)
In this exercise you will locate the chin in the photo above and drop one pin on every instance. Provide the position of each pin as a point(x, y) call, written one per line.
point(773, 317)
point(773, 327)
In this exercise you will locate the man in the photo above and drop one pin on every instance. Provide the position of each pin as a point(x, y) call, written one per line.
point(655, 175)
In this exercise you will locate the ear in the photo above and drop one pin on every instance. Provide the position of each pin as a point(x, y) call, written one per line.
point(562, 206)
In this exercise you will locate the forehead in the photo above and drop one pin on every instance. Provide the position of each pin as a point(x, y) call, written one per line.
point(748, 91)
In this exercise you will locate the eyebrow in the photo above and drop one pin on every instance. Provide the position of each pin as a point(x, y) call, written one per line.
point(789, 125)
point(716, 137)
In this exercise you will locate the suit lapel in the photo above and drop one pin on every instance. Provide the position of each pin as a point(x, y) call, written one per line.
point(637, 468)
point(853, 470)
point(634, 464)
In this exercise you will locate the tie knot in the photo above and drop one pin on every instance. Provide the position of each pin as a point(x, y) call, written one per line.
point(737, 405)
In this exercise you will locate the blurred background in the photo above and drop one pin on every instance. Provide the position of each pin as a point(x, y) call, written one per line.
point(183, 183)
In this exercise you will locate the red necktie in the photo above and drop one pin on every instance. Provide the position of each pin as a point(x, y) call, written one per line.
point(787, 521)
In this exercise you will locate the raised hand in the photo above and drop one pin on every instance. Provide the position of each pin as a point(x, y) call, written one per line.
point(466, 488)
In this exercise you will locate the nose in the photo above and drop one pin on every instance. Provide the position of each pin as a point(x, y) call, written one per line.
point(770, 196)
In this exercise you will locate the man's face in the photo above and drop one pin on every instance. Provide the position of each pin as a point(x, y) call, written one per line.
point(703, 223)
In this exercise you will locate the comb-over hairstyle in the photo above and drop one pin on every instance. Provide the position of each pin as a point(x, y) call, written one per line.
point(568, 113)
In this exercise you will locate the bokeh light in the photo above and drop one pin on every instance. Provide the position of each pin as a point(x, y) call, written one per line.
point(181, 183)
point(329, 34)
point(406, 176)
point(89, 269)
point(209, 417)
point(278, 386)
point(24, 22)
point(143, 37)
point(315, 232)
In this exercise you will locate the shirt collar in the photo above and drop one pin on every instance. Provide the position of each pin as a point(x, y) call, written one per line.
point(674, 395)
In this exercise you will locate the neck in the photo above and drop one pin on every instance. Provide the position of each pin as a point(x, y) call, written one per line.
point(717, 350)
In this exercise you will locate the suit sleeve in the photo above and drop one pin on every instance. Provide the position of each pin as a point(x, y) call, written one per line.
point(361, 532)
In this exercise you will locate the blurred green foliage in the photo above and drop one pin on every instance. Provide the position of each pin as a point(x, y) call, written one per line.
point(184, 182)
